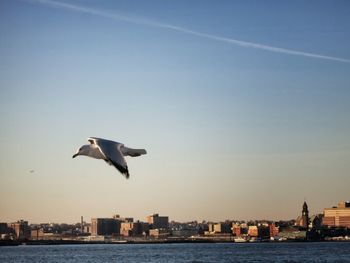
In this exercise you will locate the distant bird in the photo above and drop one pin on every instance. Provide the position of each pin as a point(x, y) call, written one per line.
point(31, 171)
point(112, 152)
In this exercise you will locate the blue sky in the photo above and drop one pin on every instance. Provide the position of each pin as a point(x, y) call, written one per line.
point(232, 131)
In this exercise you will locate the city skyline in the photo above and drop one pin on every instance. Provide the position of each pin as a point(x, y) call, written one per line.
point(332, 225)
point(242, 107)
point(334, 217)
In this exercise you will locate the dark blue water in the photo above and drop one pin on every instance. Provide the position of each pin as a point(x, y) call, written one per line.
point(227, 252)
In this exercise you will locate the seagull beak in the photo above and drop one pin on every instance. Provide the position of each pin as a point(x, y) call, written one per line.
point(75, 155)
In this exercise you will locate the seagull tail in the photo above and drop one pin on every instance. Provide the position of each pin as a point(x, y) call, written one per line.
point(133, 152)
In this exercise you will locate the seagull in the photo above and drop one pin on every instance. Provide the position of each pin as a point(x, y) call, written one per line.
point(110, 151)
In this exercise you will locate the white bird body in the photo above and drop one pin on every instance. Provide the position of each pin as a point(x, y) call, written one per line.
point(110, 151)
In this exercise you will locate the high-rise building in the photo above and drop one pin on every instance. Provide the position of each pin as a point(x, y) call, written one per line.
point(158, 222)
point(105, 226)
point(22, 229)
point(337, 216)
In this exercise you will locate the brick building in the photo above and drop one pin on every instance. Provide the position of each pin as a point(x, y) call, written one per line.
point(337, 216)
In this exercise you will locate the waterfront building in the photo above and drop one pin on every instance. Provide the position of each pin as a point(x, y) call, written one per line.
point(221, 228)
point(158, 222)
point(315, 221)
point(253, 231)
point(131, 228)
point(337, 216)
point(4, 229)
point(274, 230)
point(21, 228)
point(105, 226)
point(264, 231)
point(37, 234)
point(158, 233)
point(261, 231)
point(87, 228)
point(6, 232)
point(236, 230)
point(126, 229)
point(210, 228)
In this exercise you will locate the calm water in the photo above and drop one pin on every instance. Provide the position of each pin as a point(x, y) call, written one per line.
point(249, 252)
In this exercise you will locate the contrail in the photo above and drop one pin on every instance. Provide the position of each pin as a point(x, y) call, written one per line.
point(141, 21)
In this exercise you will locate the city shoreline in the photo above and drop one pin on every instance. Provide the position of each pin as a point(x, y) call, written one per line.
point(131, 242)
point(333, 225)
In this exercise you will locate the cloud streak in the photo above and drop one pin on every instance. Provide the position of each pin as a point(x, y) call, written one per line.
point(146, 22)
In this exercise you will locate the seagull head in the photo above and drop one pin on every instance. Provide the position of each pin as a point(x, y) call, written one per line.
point(83, 150)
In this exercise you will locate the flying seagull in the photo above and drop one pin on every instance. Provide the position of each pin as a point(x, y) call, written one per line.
point(112, 152)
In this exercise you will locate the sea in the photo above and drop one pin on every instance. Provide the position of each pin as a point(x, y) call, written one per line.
point(188, 252)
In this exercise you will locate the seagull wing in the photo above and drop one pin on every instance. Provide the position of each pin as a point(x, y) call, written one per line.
point(113, 155)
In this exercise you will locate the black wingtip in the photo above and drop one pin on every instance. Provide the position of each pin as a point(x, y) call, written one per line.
point(123, 170)
point(127, 175)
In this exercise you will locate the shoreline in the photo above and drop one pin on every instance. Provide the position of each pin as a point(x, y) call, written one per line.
point(131, 242)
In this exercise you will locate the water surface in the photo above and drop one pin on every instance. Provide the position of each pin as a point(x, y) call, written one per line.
point(225, 252)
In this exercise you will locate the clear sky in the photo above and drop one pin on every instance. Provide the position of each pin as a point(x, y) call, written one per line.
point(243, 107)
